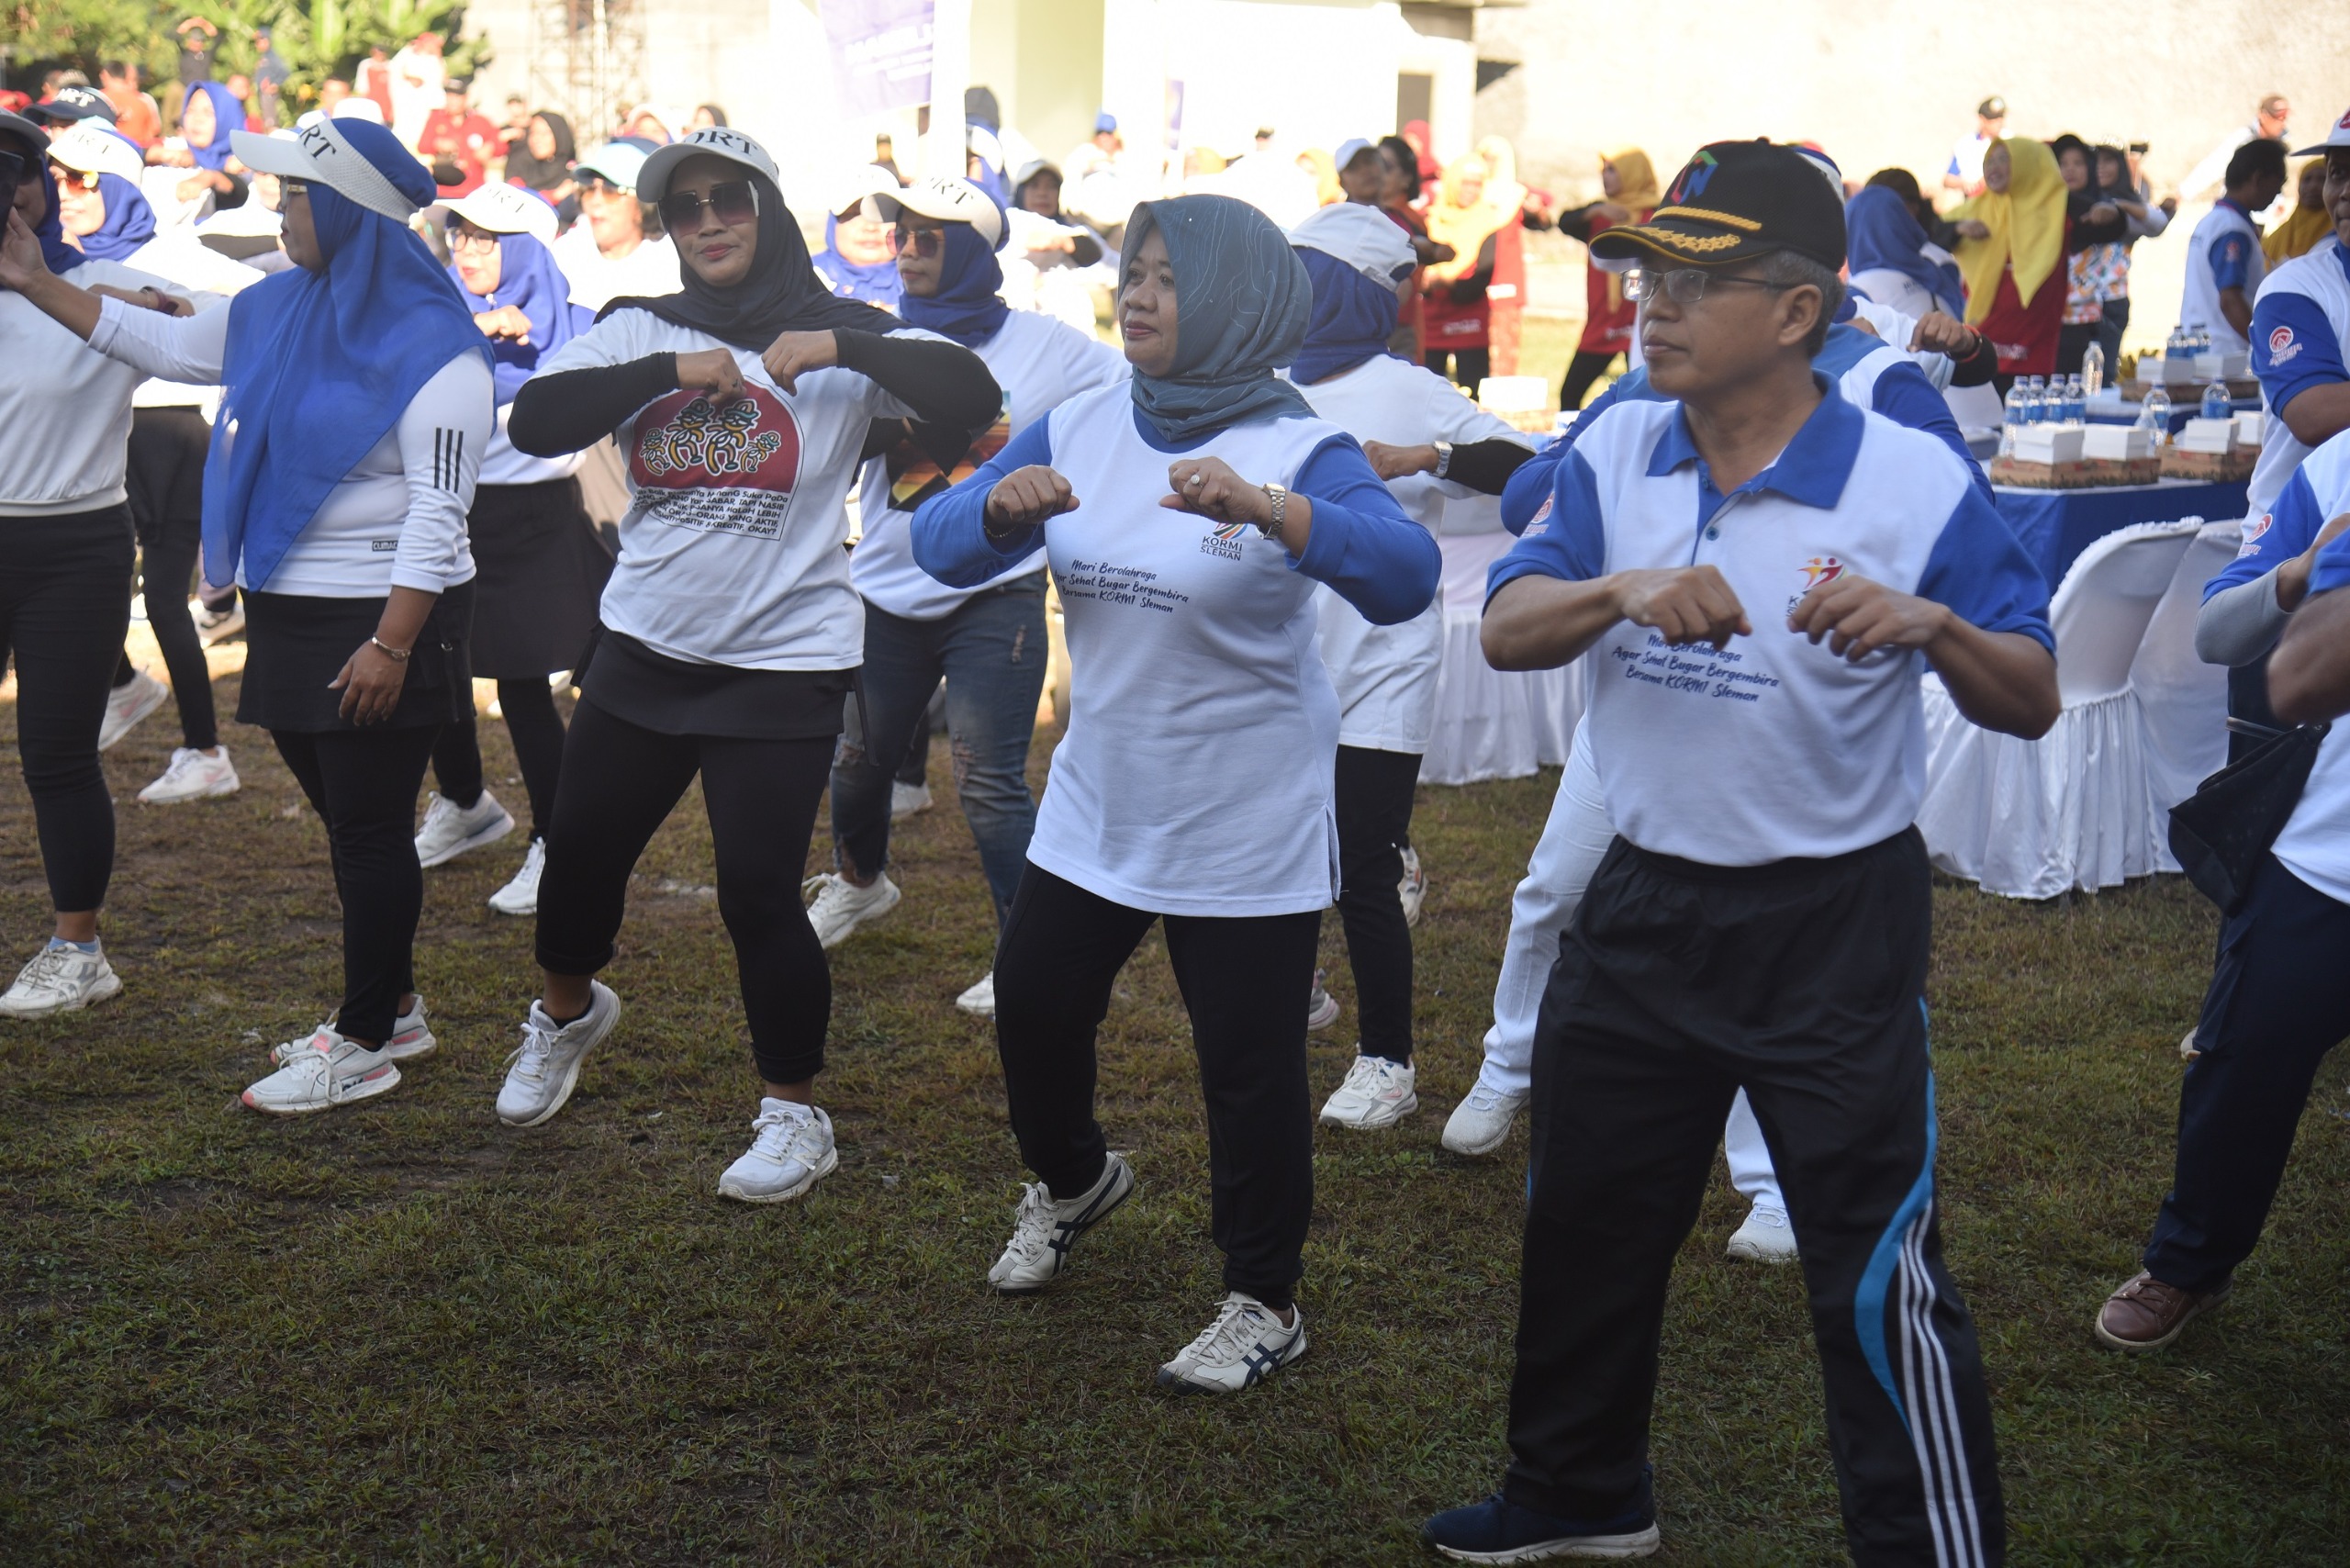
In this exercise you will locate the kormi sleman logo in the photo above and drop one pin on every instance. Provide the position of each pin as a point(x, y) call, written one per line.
point(1817, 572)
point(1224, 540)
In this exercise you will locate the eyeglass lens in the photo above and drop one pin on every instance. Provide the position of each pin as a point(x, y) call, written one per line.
point(924, 242)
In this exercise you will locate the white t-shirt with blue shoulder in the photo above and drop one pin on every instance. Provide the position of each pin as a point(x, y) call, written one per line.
point(2301, 340)
point(2223, 254)
point(2315, 845)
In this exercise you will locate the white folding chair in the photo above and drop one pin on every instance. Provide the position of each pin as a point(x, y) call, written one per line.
point(2183, 700)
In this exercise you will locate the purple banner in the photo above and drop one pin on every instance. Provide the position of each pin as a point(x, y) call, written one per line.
point(880, 53)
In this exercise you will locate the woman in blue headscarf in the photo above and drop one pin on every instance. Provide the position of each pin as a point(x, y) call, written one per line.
point(355, 408)
point(1187, 520)
point(210, 121)
point(105, 215)
point(540, 564)
point(1888, 253)
point(856, 260)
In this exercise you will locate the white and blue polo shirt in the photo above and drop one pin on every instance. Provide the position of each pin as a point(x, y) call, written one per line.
point(2315, 845)
point(2224, 253)
point(2300, 339)
point(1773, 746)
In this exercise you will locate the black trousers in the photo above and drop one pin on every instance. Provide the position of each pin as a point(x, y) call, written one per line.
point(1802, 982)
point(2279, 1000)
point(1374, 805)
point(536, 729)
point(64, 606)
point(362, 784)
point(1583, 372)
point(619, 783)
point(1469, 365)
point(166, 479)
point(1244, 981)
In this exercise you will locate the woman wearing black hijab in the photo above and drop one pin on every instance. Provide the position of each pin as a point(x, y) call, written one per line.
point(541, 158)
point(731, 634)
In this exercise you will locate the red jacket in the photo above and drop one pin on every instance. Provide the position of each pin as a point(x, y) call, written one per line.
point(470, 143)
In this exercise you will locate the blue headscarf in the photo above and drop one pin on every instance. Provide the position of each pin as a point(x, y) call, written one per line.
point(1353, 317)
point(320, 365)
point(129, 221)
point(1880, 231)
point(228, 119)
point(875, 283)
point(1242, 301)
point(55, 254)
point(967, 307)
point(527, 279)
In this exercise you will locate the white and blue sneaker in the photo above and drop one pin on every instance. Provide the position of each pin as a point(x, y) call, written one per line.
point(792, 1150)
point(1246, 1344)
point(1498, 1530)
point(1044, 1228)
point(61, 979)
point(450, 830)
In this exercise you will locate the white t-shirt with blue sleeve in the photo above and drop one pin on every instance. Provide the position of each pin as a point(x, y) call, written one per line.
point(1773, 746)
point(2315, 845)
point(2300, 339)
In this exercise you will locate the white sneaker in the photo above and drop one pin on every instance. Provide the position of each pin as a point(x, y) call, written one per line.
point(1481, 1124)
point(126, 705)
point(544, 1067)
point(520, 896)
point(59, 979)
point(792, 1150)
point(192, 776)
point(328, 1070)
point(217, 625)
point(1765, 1238)
point(1321, 1007)
point(1044, 1228)
point(1244, 1344)
point(411, 1039)
point(449, 830)
point(980, 1001)
point(1414, 888)
point(907, 800)
point(1377, 1093)
point(841, 907)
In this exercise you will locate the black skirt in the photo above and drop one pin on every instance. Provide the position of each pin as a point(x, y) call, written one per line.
point(672, 697)
point(540, 573)
point(294, 644)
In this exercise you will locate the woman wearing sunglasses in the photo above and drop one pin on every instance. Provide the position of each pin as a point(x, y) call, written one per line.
point(358, 389)
point(987, 642)
point(731, 635)
point(858, 260)
point(615, 248)
point(1187, 520)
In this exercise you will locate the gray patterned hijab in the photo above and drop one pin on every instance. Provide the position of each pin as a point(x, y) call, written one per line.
point(1242, 303)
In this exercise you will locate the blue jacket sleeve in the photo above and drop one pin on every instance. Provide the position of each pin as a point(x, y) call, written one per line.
point(950, 538)
point(1978, 569)
point(1904, 395)
point(2293, 347)
point(1372, 555)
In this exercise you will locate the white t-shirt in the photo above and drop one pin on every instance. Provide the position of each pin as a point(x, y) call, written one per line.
point(2224, 253)
point(2315, 843)
point(596, 279)
point(731, 551)
point(1386, 676)
point(414, 101)
point(1966, 159)
point(1040, 363)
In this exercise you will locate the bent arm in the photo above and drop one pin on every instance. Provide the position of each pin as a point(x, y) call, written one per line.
point(1999, 680)
point(1360, 541)
point(940, 383)
point(950, 531)
point(573, 409)
point(2308, 676)
point(442, 434)
point(1540, 622)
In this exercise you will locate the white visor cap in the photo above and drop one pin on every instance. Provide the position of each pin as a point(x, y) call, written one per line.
point(321, 152)
point(949, 201)
point(507, 209)
point(712, 141)
point(1364, 237)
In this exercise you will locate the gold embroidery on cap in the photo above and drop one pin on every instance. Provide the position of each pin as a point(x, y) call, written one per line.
point(1706, 215)
point(1698, 244)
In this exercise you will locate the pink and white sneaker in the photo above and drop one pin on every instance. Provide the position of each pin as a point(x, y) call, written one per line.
point(328, 1071)
point(411, 1039)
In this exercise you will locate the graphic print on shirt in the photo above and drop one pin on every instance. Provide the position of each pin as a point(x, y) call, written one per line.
point(2281, 346)
point(729, 470)
point(1224, 540)
point(1818, 570)
point(1695, 670)
point(915, 475)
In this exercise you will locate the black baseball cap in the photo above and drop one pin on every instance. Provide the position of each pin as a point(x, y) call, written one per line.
point(73, 103)
point(1992, 107)
point(1736, 200)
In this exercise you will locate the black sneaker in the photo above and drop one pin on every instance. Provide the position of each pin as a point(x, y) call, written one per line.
point(1498, 1530)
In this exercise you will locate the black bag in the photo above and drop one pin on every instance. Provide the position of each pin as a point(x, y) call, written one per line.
point(2221, 833)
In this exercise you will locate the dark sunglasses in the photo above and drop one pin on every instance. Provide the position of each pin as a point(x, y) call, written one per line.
point(734, 203)
point(922, 242)
point(72, 179)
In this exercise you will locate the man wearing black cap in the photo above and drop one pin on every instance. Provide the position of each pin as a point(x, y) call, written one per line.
point(1761, 572)
point(68, 105)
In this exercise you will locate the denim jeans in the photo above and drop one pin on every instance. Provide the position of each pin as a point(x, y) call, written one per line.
point(992, 651)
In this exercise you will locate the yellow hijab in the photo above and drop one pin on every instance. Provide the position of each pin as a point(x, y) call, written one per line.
point(1502, 187)
point(1464, 227)
point(2298, 234)
point(1636, 189)
point(1318, 163)
point(2027, 224)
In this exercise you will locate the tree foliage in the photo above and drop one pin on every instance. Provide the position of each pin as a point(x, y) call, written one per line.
point(319, 39)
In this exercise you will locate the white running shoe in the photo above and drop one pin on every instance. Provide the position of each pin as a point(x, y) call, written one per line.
point(192, 776)
point(1414, 888)
point(1377, 1093)
point(1044, 1228)
point(1765, 1238)
point(544, 1067)
point(411, 1039)
point(908, 800)
point(450, 830)
point(126, 705)
point(59, 979)
point(520, 896)
point(328, 1070)
point(1481, 1124)
point(1321, 1007)
point(217, 625)
point(1244, 1344)
point(841, 907)
point(792, 1150)
point(980, 1001)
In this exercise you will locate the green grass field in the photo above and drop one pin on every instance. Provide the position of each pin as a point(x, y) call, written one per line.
point(404, 1332)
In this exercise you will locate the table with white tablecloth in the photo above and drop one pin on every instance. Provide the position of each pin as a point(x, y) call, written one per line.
point(1490, 723)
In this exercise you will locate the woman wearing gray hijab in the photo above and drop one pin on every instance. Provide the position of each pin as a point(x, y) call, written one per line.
point(1194, 782)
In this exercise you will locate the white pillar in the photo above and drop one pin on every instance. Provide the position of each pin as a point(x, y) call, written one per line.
point(950, 73)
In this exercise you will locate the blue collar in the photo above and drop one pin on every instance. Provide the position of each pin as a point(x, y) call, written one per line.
point(1813, 469)
point(2239, 209)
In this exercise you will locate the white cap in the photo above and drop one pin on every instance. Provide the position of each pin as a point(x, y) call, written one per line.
point(357, 107)
point(2338, 136)
point(619, 161)
point(321, 152)
point(1364, 237)
point(712, 141)
point(949, 201)
point(84, 147)
point(507, 209)
point(861, 185)
point(1350, 149)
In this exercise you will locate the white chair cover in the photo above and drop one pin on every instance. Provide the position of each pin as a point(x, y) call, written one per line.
point(2075, 808)
point(1490, 723)
point(2184, 700)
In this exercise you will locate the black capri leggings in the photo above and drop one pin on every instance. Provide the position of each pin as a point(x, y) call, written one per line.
point(166, 479)
point(1374, 803)
point(619, 783)
point(536, 729)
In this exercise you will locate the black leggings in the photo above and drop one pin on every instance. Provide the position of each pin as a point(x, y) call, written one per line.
point(165, 478)
point(1469, 365)
point(619, 783)
point(64, 606)
point(362, 784)
point(1244, 981)
point(1583, 372)
point(1374, 802)
point(536, 729)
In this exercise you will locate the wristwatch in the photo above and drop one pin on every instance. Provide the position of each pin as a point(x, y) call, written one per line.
point(1279, 498)
point(1443, 457)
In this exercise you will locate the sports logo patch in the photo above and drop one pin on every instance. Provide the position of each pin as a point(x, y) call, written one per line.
point(2251, 532)
point(2282, 345)
point(1690, 183)
point(1224, 540)
point(1541, 523)
point(1820, 570)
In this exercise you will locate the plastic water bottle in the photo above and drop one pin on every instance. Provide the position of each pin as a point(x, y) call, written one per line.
point(2013, 419)
point(2092, 372)
point(2076, 402)
point(2043, 402)
point(2157, 416)
point(2032, 411)
point(2217, 405)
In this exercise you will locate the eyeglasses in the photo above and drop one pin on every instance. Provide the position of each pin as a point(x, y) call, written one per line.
point(466, 237)
point(922, 242)
point(734, 203)
point(73, 180)
point(1687, 285)
point(288, 188)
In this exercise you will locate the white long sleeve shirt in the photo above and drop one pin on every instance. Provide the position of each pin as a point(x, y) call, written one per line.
point(398, 518)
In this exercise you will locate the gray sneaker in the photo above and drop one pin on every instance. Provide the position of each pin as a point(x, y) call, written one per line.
point(540, 1073)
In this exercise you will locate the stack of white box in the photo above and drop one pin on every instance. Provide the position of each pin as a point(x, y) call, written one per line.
point(2117, 443)
point(2049, 444)
point(2233, 365)
point(2216, 437)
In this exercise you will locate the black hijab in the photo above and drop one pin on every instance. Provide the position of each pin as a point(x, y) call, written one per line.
point(539, 175)
point(781, 294)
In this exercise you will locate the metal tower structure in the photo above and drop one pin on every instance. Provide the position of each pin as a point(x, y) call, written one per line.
point(587, 58)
